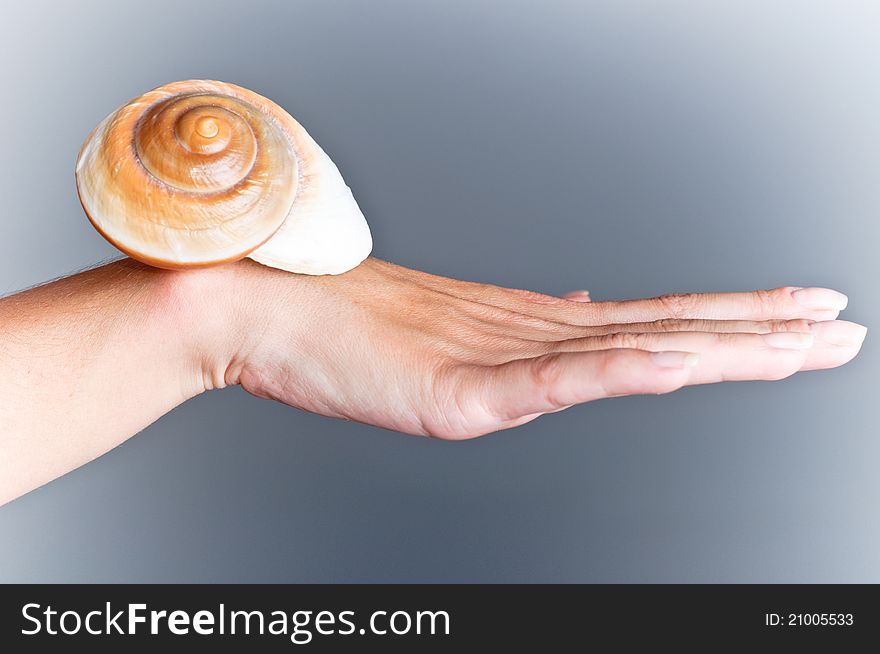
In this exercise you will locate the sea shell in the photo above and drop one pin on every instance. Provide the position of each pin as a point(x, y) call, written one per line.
point(199, 172)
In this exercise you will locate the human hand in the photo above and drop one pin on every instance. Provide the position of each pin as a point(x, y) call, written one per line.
point(422, 354)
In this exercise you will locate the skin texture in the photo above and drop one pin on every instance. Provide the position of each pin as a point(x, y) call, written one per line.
point(89, 360)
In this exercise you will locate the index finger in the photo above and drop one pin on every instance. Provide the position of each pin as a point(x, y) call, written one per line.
point(786, 303)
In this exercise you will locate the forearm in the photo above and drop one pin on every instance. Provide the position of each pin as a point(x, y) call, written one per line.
point(86, 362)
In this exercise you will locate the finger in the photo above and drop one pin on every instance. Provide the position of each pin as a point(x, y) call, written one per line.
point(833, 344)
point(836, 343)
point(547, 383)
point(828, 345)
point(789, 302)
point(577, 296)
point(719, 326)
point(554, 381)
point(776, 304)
point(538, 331)
point(723, 356)
point(540, 336)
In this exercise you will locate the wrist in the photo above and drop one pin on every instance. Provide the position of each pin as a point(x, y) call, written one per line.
point(222, 314)
point(196, 313)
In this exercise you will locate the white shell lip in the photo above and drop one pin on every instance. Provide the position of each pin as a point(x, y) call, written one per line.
point(330, 240)
point(325, 232)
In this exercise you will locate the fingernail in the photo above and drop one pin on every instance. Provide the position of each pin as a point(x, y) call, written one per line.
point(788, 340)
point(839, 332)
point(675, 359)
point(820, 298)
point(574, 295)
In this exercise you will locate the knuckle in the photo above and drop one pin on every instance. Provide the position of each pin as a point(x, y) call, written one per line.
point(458, 409)
point(766, 302)
point(547, 370)
point(676, 325)
point(445, 392)
point(678, 305)
point(798, 325)
point(774, 326)
point(547, 375)
point(628, 340)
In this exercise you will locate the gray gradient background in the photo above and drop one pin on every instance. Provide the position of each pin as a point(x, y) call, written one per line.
point(628, 148)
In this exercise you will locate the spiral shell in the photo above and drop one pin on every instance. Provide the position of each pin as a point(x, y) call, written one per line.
point(198, 172)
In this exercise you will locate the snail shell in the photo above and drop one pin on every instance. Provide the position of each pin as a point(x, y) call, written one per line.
point(199, 172)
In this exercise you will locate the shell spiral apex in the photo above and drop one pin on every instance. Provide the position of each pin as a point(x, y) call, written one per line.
point(196, 173)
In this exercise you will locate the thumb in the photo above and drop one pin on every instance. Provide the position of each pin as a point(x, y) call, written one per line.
point(551, 382)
